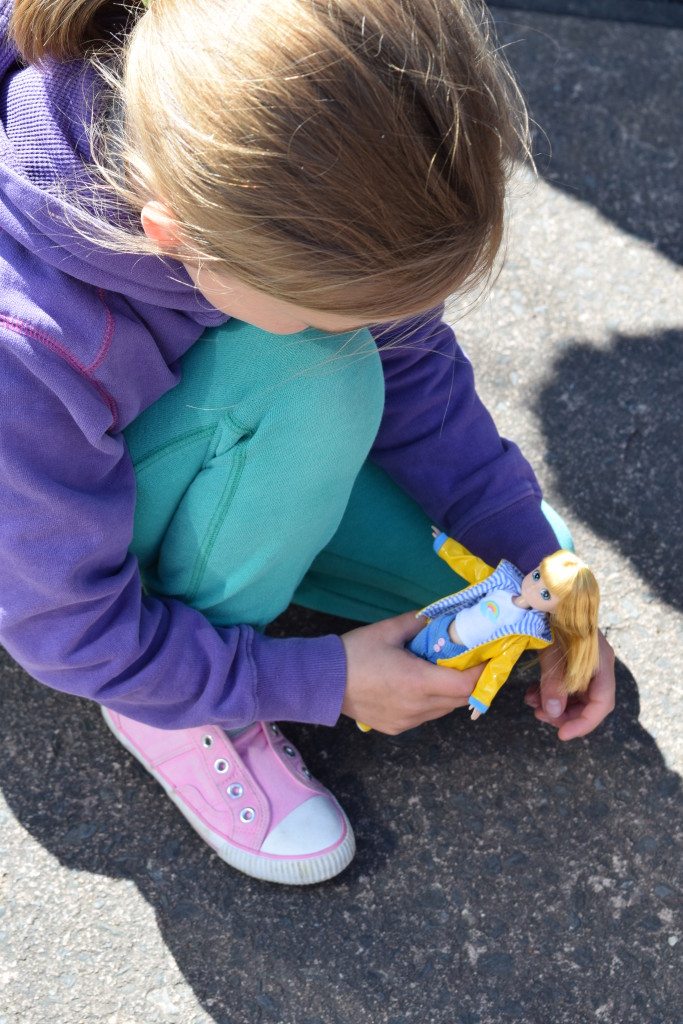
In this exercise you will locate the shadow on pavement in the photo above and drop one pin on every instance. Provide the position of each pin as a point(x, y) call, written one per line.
point(610, 122)
point(612, 418)
point(496, 868)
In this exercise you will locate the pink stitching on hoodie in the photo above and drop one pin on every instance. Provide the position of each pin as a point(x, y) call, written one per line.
point(107, 336)
point(29, 331)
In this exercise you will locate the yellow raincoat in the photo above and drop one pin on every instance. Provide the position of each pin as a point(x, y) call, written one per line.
point(504, 648)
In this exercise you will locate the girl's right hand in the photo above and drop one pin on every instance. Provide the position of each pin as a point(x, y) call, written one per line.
point(389, 688)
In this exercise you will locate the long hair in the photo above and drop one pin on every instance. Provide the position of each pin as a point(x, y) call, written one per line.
point(66, 29)
point(345, 155)
point(575, 620)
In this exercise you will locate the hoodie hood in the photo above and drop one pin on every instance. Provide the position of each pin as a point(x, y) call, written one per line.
point(44, 153)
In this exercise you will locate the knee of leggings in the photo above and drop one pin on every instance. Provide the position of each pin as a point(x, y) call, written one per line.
point(332, 402)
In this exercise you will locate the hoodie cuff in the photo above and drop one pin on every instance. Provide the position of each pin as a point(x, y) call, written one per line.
point(299, 680)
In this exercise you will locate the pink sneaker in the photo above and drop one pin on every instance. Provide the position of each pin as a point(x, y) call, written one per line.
point(251, 798)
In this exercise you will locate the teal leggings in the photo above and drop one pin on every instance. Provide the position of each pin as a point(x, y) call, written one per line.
point(254, 489)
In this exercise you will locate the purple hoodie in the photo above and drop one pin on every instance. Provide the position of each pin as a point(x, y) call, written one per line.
point(88, 339)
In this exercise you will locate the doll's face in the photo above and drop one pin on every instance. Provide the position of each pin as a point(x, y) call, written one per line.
point(536, 594)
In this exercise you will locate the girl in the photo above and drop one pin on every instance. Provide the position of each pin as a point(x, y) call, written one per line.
point(504, 613)
point(308, 179)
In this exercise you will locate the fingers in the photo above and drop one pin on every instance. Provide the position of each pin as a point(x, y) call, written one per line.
point(548, 698)
point(583, 713)
point(438, 681)
point(401, 629)
point(426, 692)
point(553, 700)
point(599, 702)
point(390, 689)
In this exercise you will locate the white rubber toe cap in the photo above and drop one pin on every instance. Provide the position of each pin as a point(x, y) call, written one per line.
point(310, 828)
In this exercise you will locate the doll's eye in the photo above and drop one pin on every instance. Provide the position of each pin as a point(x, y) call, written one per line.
point(536, 575)
point(545, 594)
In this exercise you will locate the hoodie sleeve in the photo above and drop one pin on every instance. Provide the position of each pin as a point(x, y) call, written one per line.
point(440, 444)
point(72, 612)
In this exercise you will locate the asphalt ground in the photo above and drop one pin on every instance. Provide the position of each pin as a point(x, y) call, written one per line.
point(501, 876)
point(667, 13)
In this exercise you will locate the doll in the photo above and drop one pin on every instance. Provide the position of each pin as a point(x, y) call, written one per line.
point(503, 613)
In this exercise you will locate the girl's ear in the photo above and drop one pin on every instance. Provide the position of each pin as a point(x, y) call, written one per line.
point(160, 226)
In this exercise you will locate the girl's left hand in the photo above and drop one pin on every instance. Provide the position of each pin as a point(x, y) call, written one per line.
point(580, 714)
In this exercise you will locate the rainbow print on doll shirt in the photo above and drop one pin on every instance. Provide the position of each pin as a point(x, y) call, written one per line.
point(494, 611)
point(489, 609)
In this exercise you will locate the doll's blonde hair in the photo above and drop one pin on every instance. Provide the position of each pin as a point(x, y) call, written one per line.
point(344, 155)
point(575, 620)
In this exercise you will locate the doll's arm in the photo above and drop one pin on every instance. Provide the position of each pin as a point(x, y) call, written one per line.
point(494, 675)
point(460, 560)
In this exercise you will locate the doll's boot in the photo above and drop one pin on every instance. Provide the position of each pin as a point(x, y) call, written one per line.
point(250, 797)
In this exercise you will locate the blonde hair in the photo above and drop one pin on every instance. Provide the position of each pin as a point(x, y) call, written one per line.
point(575, 620)
point(343, 155)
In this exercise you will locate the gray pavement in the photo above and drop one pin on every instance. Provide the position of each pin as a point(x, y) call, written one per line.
point(501, 876)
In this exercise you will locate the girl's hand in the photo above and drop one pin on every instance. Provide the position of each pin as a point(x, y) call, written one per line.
point(391, 689)
point(581, 713)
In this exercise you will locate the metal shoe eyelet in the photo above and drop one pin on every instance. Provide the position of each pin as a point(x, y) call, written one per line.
point(307, 773)
point(289, 751)
point(247, 815)
point(221, 765)
point(274, 729)
point(207, 741)
point(235, 791)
